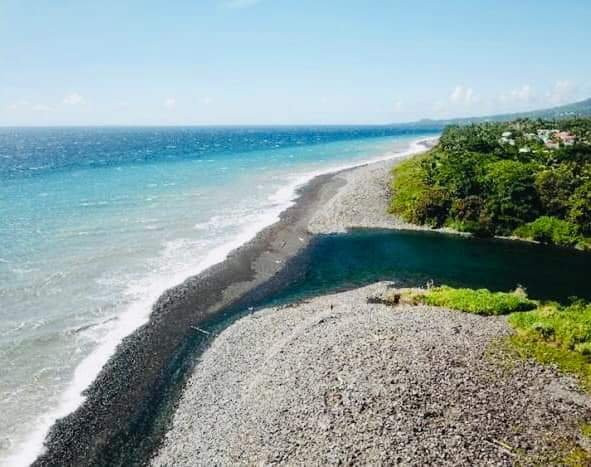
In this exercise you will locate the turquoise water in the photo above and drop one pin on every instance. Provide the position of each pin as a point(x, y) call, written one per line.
point(96, 223)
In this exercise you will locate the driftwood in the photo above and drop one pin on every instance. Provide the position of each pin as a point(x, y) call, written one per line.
point(201, 330)
point(502, 446)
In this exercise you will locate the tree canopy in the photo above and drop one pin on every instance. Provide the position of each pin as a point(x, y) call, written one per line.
point(512, 178)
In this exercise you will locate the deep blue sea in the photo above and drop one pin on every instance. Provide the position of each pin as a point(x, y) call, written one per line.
point(95, 223)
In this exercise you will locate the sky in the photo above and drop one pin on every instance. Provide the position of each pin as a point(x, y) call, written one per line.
point(287, 62)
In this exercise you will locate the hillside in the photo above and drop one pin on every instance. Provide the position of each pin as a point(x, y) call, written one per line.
point(576, 109)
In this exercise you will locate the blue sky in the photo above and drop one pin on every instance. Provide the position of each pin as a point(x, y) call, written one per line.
point(66, 62)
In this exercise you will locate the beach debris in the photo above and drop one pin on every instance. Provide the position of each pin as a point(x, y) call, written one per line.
point(201, 330)
point(502, 446)
point(389, 297)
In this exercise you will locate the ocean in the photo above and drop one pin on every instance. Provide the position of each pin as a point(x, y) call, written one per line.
point(95, 223)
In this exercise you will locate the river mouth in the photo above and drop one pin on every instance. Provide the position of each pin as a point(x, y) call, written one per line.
point(415, 258)
point(337, 262)
point(331, 263)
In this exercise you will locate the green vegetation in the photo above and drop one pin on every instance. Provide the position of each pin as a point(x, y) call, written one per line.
point(577, 457)
point(557, 334)
point(551, 230)
point(503, 179)
point(481, 301)
point(549, 332)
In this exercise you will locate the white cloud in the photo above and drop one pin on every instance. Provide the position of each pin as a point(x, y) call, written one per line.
point(524, 94)
point(241, 3)
point(206, 100)
point(74, 99)
point(397, 106)
point(463, 95)
point(562, 92)
point(170, 103)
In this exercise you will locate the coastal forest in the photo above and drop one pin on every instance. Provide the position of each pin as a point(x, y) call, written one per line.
point(526, 178)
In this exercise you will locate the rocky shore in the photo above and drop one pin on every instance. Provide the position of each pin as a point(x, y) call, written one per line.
point(122, 417)
point(338, 380)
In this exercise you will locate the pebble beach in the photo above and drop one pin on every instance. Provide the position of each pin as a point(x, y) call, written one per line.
point(338, 380)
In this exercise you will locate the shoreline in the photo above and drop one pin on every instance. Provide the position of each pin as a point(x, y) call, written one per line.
point(117, 402)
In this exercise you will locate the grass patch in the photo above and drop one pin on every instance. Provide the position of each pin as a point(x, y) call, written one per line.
point(567, 361)
point(564, 327)
point(578, 457)
point(481, 301)
point(546, 332)
point(558, 335)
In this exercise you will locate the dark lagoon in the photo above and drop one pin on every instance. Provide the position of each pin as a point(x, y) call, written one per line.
point(363, 256)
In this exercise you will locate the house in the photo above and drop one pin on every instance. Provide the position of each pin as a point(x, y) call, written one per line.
point(554, 138)
point(552, 144)
point(546, 135)
point(566, 138)
point(506, 138)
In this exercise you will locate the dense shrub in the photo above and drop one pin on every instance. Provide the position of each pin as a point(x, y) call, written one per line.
point(476, 138)
point(432, 207)
point(467, 209)
point(461, 175)
point(511, 198)
point(470, 215)
point(580, 211)
point(555, 186)
point(550, 230)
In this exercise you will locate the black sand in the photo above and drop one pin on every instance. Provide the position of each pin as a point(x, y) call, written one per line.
point(116, 425)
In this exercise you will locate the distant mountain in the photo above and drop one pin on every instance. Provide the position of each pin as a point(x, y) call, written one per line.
point(577, 109)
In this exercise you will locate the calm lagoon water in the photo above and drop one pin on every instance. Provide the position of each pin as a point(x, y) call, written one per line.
point(413, 258)
point(95, 223)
